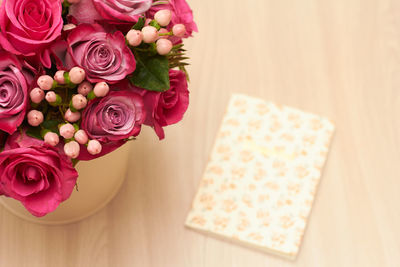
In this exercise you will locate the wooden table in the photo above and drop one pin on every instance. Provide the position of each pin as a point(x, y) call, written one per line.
point(340, 59)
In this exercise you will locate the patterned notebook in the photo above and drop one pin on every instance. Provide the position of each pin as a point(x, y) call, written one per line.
point(261, 180)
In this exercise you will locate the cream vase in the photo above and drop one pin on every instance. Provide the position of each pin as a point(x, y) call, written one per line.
point(99, 181)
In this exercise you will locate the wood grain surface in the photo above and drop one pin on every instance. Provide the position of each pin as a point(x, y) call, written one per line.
point(338, 58)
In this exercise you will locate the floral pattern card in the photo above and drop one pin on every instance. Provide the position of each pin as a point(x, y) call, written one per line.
point(259, 185)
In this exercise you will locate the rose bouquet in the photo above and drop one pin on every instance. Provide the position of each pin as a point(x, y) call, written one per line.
point(78, 79)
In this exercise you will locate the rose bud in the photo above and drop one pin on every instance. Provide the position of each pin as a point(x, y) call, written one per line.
point(72, 116)
point(101, 89)
point(134, 37)
point(37, 95)
point(150, 34)
point(77, 75)
point(163, 17)
point(79, 102)
point(179, 30)
point(85, 88)
point(59, 77)
point(81, 137)
point(67, 131)
point(51, 138)
point(35, 117)
point(164, 46)
point(94, 147)
point(45, 82)
point(72, 149)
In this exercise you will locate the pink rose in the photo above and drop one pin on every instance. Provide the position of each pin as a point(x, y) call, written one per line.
point(113, 119)
point(181, 14)
point(15, 80)
point(29, 26)
point(35, 174)
point(166, 108)
point(113, 11)
point(104, 56)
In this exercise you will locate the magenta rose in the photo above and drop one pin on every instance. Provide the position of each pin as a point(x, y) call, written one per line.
point(29, 26)
point(113, 119)
point(104, 56)
point(15, 80)
point(35, 174)
point(181, 14)
point(113, 11)
point(166, 108)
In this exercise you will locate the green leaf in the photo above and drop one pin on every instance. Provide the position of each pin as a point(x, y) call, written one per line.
point(34, 132)
point(140, 24)
point(152, 72)
point(51, 125)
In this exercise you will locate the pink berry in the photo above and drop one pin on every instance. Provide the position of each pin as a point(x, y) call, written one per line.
point(164, 46)
point(68, 27)
point(72, 116)
point(67, 131)
point(72, 149)
point(51, 97)
point(81, 137)
point(37, 95)
point(150, 34)
point(79, 101)
point(77, 75)
point(59, 77)
point(179, 30)
point(51, 138)
point(85, 88)
point(101, 89)
point(35, 117)
point(134, 37)
point(45, 82)
point(163, 17)
point(163, 31)
point(94, 147)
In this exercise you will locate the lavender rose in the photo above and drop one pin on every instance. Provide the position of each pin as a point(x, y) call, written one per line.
point(29, 26)
point(168, 107)
point(113, 11)
point(113, 119)
point(104, 56)
point(15, 80)
point(35, 174)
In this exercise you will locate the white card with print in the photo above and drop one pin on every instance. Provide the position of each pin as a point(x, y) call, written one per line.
point(260, 183)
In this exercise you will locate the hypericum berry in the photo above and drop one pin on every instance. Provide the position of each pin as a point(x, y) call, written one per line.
point(51, 97)
point(68, 27)
point(163, 17)
point(79, 102)
point(35, 117)
point(59, 77)
point(134, 37)
point(150, 34)
point(101, 89)
point(179, 30)
point(77, 75)
point(85, 88)
point(164, 46)
point(67, 131)
point(81, 137)
point(36, 95)
point(163, 31)
point(45, 82)
point(72, 149)
point(51, 138)
point(72, 116)
point(94, 147)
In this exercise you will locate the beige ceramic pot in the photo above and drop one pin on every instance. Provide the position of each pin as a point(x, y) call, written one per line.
point(99, 181)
